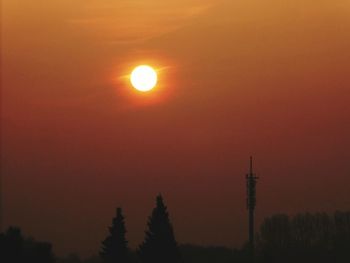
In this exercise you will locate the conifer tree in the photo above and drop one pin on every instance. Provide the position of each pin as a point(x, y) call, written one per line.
point(115, 246)
point(159, 245)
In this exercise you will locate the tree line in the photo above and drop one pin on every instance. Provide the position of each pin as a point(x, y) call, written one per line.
point(317, 237)
point(307, 237)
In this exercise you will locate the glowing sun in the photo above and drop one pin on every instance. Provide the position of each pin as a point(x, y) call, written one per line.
point(144, 78)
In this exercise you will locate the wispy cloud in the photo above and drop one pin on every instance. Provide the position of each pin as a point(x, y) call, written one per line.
point(124, 21)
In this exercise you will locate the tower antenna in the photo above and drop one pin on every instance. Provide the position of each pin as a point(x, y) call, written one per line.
point(251, 180)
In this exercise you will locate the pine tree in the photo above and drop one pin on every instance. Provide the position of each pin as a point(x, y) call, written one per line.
point(159, 245)
point(115, 246)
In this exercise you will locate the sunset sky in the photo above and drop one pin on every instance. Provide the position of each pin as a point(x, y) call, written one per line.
point(236, 78)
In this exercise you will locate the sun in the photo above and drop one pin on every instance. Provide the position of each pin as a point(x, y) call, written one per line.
point(144, 78)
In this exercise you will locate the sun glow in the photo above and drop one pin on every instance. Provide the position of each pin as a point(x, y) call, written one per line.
point(144, 78)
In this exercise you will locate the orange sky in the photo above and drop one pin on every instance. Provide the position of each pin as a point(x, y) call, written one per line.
point(269, 78)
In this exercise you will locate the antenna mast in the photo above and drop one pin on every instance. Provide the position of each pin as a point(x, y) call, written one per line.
point(251, 203)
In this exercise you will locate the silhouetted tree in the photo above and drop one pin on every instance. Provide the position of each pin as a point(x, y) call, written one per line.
point(115, 246)
point(341, 237)
point(159, 245)
point(275, 237)
point(15, 248)
point(12, 245)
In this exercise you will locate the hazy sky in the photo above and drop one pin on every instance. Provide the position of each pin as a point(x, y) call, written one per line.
point(268, 78)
